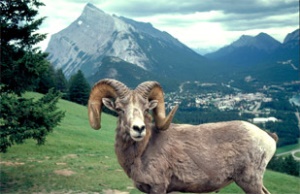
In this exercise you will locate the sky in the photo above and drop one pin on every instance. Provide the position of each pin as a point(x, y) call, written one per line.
point(206, 25)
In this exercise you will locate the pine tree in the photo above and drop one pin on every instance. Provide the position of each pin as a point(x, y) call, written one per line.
point(79, 89)
point(291, 166)
point(21, 68)
point(21, 64)
point(61, 83)
point(23, 118)
point(47, 80)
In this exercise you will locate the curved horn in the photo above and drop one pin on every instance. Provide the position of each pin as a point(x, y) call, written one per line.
point(153, 91)
point(106, 88)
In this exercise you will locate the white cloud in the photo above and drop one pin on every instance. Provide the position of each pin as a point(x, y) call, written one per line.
point(198, 24)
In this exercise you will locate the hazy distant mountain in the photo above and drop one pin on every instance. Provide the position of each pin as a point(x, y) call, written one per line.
point(291, 41)
point(289, 49)
point(261, 57)
point(96, 35)
point(246, 50)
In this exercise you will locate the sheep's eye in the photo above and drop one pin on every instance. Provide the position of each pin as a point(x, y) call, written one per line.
point(146, 111)
point(119, 110)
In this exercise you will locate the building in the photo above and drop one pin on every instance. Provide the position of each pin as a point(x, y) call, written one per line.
point(264, 120)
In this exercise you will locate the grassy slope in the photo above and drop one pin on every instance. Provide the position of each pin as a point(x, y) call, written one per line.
point(75, 148)
point(288, 147)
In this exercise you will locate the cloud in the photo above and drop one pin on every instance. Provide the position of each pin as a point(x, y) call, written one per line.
point(240, 23)
point(242, 15)
point(198, 23)
point(233, 15)
point(149, 8)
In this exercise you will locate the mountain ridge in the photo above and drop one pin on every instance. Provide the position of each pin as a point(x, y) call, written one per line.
point(258, 41)
point(95, 35)
point(261, 57)
point(262, 42)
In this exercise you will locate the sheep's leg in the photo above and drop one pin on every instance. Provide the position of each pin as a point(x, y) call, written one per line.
point(158, 189)
point(151, 189)
point(250, 180)
point(265, 190)
point(249, 189)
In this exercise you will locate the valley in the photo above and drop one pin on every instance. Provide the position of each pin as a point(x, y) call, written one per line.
point(225, 97)
point(269, 107)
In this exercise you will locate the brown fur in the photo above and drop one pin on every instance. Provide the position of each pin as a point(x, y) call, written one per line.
point(186, 158)
point(273, 135)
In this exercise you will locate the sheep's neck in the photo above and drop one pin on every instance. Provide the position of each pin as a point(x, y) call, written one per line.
point(129, 152)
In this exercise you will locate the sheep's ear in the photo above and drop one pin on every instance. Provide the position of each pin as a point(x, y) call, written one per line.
point(153, 104)
point(109, 104)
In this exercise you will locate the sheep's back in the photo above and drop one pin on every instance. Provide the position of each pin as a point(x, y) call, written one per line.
point(203, 151)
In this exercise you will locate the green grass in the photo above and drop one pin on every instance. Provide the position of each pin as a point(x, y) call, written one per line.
point(88, 156)
point(297, 154)
point(288, 147)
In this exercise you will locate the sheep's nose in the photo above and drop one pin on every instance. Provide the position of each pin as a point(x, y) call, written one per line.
point(139, 128)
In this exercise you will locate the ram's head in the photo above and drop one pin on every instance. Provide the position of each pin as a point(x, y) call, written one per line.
point(132, 106)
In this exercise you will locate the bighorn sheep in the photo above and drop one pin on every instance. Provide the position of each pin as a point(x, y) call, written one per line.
point(162, 157)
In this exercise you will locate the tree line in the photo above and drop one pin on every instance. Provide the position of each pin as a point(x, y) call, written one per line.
point(286, 165)
point(76, 89)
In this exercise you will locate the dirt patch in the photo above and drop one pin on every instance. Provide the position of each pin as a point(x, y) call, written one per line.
point(109, 191)
point(8, 163)
point(64, 172)
point(70, 156)
point(61, 163)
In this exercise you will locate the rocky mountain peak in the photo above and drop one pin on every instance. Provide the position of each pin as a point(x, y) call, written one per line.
point(244, 40)
point(90, 8)
point(293, 36)
point(95, 35)
point(262, 41)
point(266, 42)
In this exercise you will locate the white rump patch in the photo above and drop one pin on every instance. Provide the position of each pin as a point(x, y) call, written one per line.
point(266, 143)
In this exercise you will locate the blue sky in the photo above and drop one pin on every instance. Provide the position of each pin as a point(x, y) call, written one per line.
point(203, 24)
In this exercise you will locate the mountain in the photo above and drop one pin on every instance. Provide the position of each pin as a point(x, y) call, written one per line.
point(292, 39)
point(290, 47)
point(96, 35)
point(132, 75)
point(261, 57)
point(103, 45)
point(246, 50)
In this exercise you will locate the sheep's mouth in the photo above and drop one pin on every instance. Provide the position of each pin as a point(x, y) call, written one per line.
point(137, 137)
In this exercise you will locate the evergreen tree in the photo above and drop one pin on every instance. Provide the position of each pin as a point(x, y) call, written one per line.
point(286, 165)
point(291, 166)
point(21, 64)
point(47, 80)
point(61, 83)
point(79, 89)
point(23, 118)
point(21, 68)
